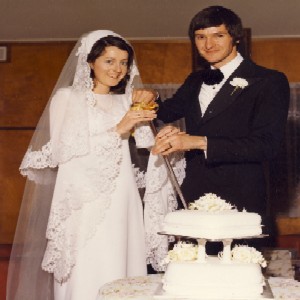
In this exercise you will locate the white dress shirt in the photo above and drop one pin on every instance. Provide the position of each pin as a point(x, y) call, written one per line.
point(208, 92)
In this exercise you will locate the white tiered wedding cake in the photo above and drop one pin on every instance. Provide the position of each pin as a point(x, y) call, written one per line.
point(234, 274)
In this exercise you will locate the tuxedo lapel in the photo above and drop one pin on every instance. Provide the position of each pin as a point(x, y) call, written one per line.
point(228, 93)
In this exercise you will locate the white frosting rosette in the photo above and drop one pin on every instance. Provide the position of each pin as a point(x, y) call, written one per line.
point(246, 254)
point(181, 252)
point(210, 203)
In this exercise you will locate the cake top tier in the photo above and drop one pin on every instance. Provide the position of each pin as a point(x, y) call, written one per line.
point(212, 218)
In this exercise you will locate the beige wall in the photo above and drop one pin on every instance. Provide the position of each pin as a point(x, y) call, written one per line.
point(61, 19)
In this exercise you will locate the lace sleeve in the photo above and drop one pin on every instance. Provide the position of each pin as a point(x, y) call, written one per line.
point(159, 199)
point(144, 136)
point(35, 160)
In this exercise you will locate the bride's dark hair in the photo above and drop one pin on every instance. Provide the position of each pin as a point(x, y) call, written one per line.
point(98, 49)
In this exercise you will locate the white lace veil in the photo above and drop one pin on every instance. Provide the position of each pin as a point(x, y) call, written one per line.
point(49, 146)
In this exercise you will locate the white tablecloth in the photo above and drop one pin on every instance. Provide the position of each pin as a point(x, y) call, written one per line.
point(145, 287)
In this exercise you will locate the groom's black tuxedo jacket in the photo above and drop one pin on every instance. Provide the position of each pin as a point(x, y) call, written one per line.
point(244, 128)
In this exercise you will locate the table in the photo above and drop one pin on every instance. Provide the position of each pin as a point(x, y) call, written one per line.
point(145, 287)
point(141, 288)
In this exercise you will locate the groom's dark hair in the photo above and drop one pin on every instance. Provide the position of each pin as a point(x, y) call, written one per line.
point(213, 16)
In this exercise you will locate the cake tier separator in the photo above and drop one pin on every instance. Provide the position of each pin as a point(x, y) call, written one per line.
point(226, 257)
point(214, 240)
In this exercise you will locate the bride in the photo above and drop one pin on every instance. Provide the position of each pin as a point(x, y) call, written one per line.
point(81, 221)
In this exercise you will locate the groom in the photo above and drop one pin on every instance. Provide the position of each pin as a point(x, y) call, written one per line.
point(235, 116)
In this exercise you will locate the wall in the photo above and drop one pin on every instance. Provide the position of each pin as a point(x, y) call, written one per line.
point(27, 80)
point(69, 19)
point(280, 54)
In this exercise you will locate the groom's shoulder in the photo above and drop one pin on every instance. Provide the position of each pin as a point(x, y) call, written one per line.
point(262, 71)
point(194, 76)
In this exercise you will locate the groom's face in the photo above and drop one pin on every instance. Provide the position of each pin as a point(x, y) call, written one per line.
point(215, 45)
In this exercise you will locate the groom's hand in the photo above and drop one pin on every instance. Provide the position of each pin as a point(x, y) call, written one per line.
point(146, 97)
point(170, 139)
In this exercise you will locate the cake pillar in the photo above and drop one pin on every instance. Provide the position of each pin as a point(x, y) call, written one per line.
point(201, 250)
point(227, 250)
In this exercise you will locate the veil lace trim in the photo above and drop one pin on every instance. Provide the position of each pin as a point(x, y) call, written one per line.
point(159, 199)
point(37, 160)
point(160, 196)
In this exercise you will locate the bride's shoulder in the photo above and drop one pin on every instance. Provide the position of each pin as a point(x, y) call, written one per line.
point(62, 92)
point(60, 98)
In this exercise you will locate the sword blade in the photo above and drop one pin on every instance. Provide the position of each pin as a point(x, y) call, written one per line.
point(171, 173)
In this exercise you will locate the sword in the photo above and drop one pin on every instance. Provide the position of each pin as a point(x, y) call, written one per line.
point(170, 170)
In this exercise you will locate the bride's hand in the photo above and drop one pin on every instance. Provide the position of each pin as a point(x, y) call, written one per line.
point(132, 118)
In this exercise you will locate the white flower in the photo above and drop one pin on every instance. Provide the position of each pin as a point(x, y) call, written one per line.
point(210, 203)
point(247, 254)
point(238, 83)
point(181, 252)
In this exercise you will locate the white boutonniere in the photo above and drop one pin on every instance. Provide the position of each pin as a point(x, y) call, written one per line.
point(238, 83)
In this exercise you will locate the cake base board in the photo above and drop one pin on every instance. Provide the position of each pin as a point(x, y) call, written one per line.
point(161, 294)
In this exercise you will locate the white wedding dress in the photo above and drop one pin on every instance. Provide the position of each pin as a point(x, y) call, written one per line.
point(95, 231)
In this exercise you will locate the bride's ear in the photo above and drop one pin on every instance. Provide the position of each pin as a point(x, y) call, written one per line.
point(91, 66)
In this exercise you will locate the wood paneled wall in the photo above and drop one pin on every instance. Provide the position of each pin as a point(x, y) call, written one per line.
point(28, 79)
point(163, 62)
point(26, 83)
point(279, 54)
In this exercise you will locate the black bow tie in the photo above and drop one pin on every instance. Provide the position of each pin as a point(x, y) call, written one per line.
point(212, 76)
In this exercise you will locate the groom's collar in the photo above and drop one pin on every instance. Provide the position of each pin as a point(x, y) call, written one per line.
point(231, 66)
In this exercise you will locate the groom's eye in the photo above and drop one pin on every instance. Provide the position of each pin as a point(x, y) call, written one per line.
point(200, 37)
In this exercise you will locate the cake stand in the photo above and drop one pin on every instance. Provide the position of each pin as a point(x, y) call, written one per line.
point(202, 242)
point(226, 258)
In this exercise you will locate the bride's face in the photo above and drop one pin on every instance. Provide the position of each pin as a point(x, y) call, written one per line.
point(109, 69)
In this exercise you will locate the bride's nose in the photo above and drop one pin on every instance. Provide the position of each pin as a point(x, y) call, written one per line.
point(117, 67)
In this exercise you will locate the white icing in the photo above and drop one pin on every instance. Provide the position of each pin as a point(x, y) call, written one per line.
point(212, 225)
point(213, 278)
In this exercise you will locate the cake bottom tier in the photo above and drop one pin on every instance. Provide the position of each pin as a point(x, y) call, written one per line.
point(214, 280)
